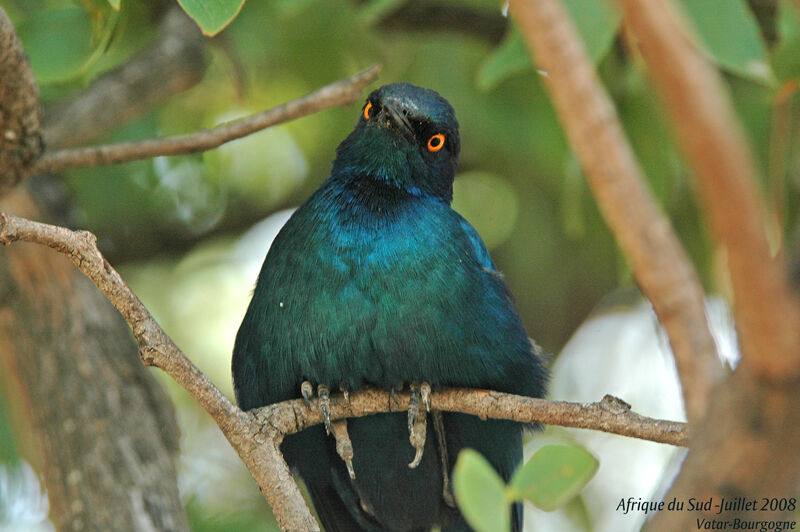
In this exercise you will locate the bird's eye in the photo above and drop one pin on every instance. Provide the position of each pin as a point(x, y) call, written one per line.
point(367, 110)
point(436, 142)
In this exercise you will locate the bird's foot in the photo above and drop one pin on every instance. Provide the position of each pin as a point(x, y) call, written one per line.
point(393, 395)
point(438, 428)
point(325, 406)
point(345, 392)
point(344, 447)
point(417, 419)
point(307, 390)
point(419, 392)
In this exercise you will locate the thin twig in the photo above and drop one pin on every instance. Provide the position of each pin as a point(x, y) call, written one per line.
point(174, 61)
point(660, 265)
point(157, 349)
point(257, 435)
point(608, 415)
point(342, 92)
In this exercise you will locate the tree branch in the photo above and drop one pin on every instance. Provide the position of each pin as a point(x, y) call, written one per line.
point(752, 449)
point(611, 414)
point(157, 349)
point(342, 92)
point(20, 129)
point(659, 263)
point(767, 313)
point(257, 435)
point(175, 61)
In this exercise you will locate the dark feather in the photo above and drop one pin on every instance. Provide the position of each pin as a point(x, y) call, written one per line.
point(376, 281)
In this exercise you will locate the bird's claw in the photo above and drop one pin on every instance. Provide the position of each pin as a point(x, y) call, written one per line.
point(413, 406)
point(441, 442)
point(425, 394)
point(325, 406)
point(345, 392)
point(418, 392)
point(307, 390)
point(417, 420)
point(344, 447)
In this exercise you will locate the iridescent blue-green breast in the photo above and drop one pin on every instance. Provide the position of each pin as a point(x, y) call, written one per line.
point(376, 281)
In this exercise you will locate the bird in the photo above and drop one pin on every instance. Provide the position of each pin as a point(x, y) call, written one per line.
point(375, 281)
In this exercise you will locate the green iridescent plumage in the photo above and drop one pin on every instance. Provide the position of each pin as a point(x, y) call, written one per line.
point(376, 281)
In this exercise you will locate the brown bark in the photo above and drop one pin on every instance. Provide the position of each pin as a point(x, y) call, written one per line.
point(342, 92)
point(659, 262)
point(20, 128)
point(105, 428)
point(748, 446)
point(767, 313)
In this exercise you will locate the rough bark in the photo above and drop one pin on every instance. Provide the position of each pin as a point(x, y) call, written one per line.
point(748, 445)
point(105, 428)
point(20, 128)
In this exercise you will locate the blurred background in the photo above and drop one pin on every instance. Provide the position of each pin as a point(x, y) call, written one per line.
point(189, 233)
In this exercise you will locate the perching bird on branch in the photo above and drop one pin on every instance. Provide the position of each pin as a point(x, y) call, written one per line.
point(376, 281)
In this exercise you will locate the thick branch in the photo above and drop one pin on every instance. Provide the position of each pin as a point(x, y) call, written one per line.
point(750, 448)
point(659, 263)
point(256, 435)
point(20, 130)
point(342, 92)
point(767, 313)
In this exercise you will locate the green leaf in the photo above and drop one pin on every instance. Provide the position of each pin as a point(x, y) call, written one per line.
point(481, 493)
point(730, 32)
point(115, 4)
point(786, 59)
point(58, 43)
point(375, 10)
point(489, 203)
point(509, 58)
point(554, 475)
point(596, 20)
point(212, 15)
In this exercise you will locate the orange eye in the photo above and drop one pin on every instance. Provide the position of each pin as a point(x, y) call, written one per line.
point(436, 142)
point(367, 109)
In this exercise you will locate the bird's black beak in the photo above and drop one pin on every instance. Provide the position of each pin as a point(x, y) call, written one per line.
point(392, 117)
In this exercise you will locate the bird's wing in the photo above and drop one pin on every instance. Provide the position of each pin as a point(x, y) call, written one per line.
point(478, 247)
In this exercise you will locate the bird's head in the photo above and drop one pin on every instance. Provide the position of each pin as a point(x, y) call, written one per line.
point(407, 138)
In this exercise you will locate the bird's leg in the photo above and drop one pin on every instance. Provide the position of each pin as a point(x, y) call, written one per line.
point(307, 390)
point(393, 394)
point(417, 419)
point(438, 428)
point(325, 406)
point(344, 447)
point(425, 393)
point(345, 391)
